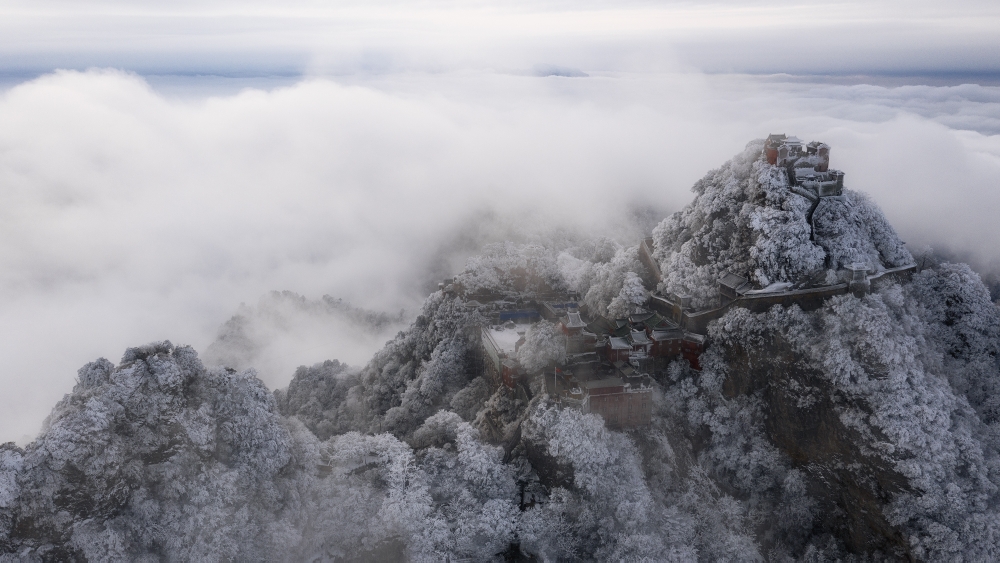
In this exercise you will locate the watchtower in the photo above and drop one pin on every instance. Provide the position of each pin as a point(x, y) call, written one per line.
point(858, 283)
point(822, 153)
point(774, 140)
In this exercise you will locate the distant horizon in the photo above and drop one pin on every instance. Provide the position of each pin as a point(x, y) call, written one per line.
point(267, 79)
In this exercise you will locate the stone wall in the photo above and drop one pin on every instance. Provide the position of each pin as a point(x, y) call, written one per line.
point(807, 299)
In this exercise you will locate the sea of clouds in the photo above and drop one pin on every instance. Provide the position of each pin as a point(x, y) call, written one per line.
point(364, 153)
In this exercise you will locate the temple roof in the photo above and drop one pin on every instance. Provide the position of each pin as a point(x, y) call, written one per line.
point(619, 343)
point(574, 321)
point(601, 325)
point(639, 337)
point(733, 281)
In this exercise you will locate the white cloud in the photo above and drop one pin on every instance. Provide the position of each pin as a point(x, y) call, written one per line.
point(130, 218)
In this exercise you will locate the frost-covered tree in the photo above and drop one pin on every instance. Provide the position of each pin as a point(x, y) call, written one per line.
point(544, 344)
point(607, 279)
point(468, 402)
point(507, 267)
point(420, 370)
point(966, 327)
point(11, 464)
point(319, 396)
point(871, 369)
point(630, 299)
point(610, 511)
point(853, 229)
point(157, 455)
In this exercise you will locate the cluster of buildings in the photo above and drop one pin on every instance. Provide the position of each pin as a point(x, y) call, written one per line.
point(607, 361)
point(808, 165)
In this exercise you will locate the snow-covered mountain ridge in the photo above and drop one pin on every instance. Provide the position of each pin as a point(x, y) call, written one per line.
point(747, 219)
point(867, 429)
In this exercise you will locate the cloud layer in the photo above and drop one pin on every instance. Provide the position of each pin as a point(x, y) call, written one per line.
point(130, 216)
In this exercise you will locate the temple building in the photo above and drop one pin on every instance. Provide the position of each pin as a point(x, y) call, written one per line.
point(808, 166)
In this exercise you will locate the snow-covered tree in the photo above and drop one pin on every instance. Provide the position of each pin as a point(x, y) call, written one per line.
point(543, 345)
point(630, 299)
point(507, 267)
point(318, 396)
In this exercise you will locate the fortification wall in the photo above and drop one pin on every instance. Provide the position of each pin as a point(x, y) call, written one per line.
point(666, 307)
point(646, 257)
point(900, 275)
point(806, 299)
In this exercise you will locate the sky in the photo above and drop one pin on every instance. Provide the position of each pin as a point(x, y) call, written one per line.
point(160, 164)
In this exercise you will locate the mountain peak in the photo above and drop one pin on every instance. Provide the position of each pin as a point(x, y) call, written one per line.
point(774, 213)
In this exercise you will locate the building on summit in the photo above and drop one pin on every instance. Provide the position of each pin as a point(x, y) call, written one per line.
point(808, 166)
